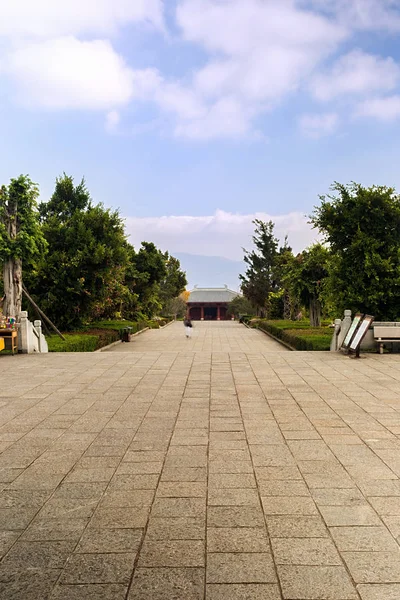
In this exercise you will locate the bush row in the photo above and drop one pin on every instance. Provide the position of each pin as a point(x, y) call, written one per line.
point(93, 337)
point(299, 335)
point(82, 341)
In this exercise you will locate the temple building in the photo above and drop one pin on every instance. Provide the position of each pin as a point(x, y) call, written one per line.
point(210, 304)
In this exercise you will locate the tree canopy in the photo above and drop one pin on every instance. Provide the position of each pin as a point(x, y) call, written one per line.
point(21, 237)
point(259, 280)
point(91, 270)
point(362, 227)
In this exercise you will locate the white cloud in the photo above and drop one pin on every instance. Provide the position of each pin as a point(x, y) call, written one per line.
point(52, 18)
point(383, 109)
point(318, 125)
point(225, 118)
point(113, 119)
point(68, 73)
point(260, 52)
point(362, 14)
point(223, 234)
point(356, 73)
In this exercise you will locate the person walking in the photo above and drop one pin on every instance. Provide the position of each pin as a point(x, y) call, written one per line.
point(188, 327)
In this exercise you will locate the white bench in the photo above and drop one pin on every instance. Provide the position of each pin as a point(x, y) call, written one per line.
point(386, 334)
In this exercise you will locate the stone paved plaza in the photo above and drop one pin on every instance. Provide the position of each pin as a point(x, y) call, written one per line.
point(221, 468)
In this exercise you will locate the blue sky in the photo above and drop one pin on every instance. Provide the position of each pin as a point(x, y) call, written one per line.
point(194, 116)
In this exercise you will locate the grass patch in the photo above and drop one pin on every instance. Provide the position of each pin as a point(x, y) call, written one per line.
point(115, 325)
point(298, 334)
point(83, 341)
point(74, 342)
point(95, 336)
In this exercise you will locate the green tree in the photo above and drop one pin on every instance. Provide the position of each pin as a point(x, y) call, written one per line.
point(259, 280)
point(240, 306)
point(83, 276)
point(147, 271)
point(284, 297)
point(174, 281)
point(362, 227)
point(176, 307)
point(21, 237)
point(305, 276)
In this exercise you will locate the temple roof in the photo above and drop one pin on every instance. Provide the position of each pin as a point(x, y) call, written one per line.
point(223, 294)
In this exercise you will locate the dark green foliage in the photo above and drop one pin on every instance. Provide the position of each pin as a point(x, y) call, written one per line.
point(21, 238)
point(83, 276)
point(304, 276)
point(173, 282)
point(116, 325)
point(300, 336)
point(143, 277)
point(259, 280)
point(79, 342)
point(20, 199)
point(276, 305)
point(241, 306)
point(176, 307)
point(362, 227)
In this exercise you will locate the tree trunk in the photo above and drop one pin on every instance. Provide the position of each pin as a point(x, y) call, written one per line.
point(315, 312)
point(287, 309)
point(12, 278)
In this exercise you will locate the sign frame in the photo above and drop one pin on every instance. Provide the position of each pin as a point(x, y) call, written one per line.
point(359, 335)
point(357, 320)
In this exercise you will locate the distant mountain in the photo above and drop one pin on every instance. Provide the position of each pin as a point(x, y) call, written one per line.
point(210, 271)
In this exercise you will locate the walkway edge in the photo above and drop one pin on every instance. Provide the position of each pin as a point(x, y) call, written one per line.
point(105, 348)
point(288, 346)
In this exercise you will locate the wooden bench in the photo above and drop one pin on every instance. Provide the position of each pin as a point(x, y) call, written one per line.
point(386, 334)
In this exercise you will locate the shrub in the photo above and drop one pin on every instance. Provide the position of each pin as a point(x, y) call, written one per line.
point(118, 326)
point(73, 343)
point(298, 334)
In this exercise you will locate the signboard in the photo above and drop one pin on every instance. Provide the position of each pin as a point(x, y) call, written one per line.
point(352, 330)
point(360, 334)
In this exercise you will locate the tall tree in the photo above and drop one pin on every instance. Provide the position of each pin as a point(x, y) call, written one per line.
point(147, 271)
point(174, 281)
point(83, 276)
point(21, 238)
point(362, 227)
point(259, 280)
point(283, 258)
point(304, 276)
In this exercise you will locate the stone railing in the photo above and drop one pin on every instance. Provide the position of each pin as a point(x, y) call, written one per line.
point(30, 336)
point(342, 326)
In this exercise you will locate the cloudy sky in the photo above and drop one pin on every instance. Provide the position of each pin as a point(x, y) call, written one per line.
point(196, 116)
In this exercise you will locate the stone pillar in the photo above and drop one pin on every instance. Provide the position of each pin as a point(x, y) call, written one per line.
point(38, 327)
point(336, 331)
point(23, 334)
point(218, 313)
point(202, 313)
point(344, 328)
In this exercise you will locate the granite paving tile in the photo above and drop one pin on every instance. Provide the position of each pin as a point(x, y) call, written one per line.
point(144, 471)
point(98, 568)
point(167, 584)
point(240, 568)
point(315, 582)
point(250, 591)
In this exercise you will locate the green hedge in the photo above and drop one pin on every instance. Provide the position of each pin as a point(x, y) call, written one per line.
point(157, 323)
point(118, 325)
point(74, 342)
point(83, 341)
point(299, 335)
